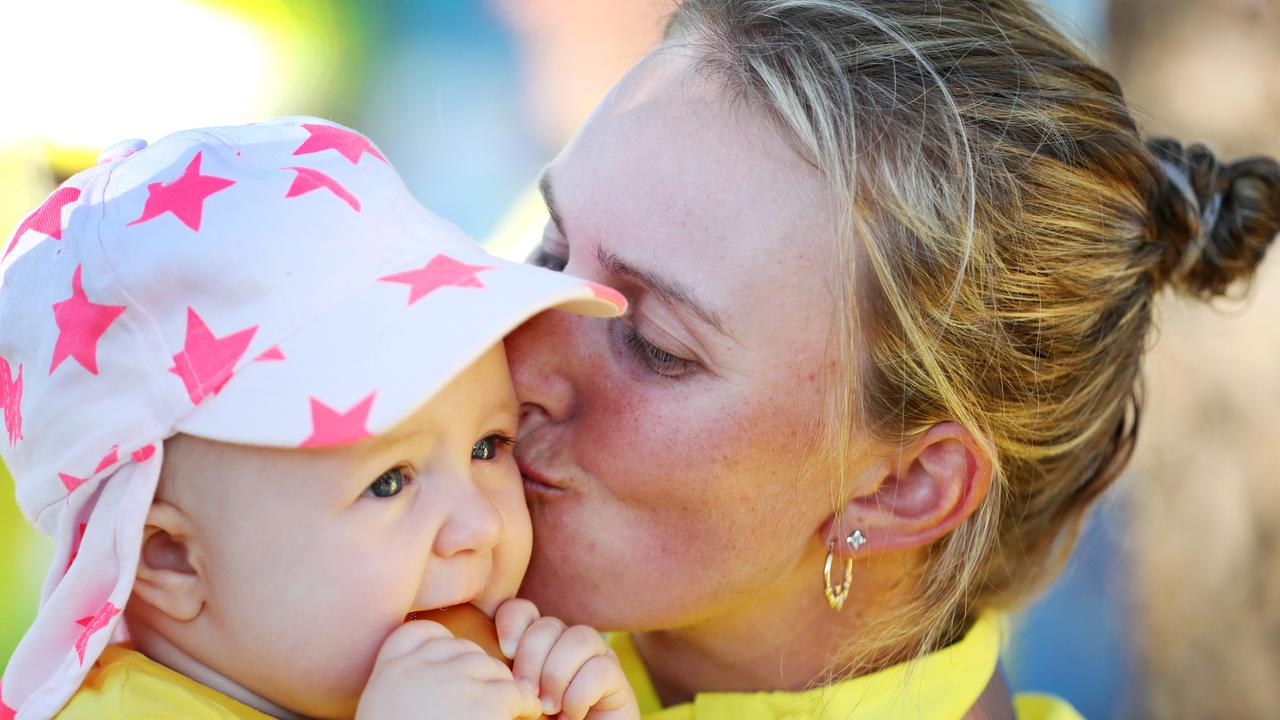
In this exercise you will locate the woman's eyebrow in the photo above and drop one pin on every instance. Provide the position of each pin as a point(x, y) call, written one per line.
point(672, 291)
point(548, 197)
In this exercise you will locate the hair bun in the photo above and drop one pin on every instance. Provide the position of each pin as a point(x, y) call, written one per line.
point(1216, 221)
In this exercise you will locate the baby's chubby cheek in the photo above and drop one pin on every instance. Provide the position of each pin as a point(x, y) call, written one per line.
point(511, 555)
point(326, 616)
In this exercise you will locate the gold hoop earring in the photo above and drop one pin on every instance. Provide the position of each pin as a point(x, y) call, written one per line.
point(836, 595)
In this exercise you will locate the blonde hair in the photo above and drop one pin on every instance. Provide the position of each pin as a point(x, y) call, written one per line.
point(1007, 230)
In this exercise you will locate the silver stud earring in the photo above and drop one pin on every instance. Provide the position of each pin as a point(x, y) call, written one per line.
point(856, 540)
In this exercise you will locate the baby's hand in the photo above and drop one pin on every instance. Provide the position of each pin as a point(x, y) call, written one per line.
point(575, 671)
point(424, 672)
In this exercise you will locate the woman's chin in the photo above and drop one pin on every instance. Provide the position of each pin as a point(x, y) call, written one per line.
point(553, 597)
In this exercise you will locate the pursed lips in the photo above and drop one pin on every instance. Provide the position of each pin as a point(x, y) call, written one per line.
point(536, 478)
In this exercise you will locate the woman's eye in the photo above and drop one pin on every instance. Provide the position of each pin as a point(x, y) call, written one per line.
point(487, 449)
point(546, 259)
point(389, 483)
point(655, 358)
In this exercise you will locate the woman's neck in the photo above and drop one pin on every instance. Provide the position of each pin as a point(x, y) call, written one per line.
point(783, 638)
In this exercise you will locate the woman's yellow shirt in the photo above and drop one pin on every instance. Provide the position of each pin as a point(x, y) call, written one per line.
point(939, 686)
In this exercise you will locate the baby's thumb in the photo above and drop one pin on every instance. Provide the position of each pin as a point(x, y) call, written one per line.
point(409, 638)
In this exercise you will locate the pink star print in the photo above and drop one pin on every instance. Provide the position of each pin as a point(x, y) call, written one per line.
point(6, 712)
point(350, 144)
point(80, 324)
point(47, 218)
point(184, 197)
point(111, 458)
point(75, 546)
point(93, 624)
point(143, 453)
point(604, 292)
point(272, 353)
point(206, 362)
point(71, 482)
point(439, 272)
point(309, 179)
point(330, 428)
point(11, 401)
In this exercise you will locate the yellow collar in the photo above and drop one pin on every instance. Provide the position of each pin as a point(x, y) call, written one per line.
point(944, 684)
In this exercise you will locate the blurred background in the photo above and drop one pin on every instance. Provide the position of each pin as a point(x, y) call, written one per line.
point(1170, 607)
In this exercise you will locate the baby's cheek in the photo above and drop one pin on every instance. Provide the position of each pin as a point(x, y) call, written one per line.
point(511, 554)
point(344, 634)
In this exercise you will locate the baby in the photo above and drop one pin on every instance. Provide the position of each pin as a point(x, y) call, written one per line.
point(257, 395)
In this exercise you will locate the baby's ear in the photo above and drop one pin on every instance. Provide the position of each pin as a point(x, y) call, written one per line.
point(170, 575)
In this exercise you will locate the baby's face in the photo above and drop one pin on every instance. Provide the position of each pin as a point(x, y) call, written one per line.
point(311, 558)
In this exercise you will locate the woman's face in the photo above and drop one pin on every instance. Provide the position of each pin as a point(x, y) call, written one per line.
point(663, 452)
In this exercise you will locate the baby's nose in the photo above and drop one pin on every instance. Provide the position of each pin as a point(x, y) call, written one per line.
point(474, 525)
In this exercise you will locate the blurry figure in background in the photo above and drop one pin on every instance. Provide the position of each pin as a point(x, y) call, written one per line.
point(570, 53)
point(1205, 495)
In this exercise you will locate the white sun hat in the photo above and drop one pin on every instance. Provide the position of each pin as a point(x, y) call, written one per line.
point(273, 284)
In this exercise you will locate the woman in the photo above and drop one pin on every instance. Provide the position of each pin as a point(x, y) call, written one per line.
point(892, 268)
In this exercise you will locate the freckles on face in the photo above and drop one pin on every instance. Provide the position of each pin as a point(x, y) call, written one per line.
point(697, 496)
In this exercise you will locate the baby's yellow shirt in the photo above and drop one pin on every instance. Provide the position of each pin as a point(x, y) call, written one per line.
point(127, 684)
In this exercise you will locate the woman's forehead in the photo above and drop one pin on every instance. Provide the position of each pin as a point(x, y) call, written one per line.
point(673, 174)
point(671, 143)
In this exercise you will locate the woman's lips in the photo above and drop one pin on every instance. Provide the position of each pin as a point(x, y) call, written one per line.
point(539, 483)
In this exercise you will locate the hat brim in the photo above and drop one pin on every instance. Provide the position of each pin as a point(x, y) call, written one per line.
point(364, 364)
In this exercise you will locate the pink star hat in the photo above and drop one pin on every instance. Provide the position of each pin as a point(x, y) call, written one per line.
point(272, 285)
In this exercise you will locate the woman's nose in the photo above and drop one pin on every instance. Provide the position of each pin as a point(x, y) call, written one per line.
point(540, 354)
point(473, 526)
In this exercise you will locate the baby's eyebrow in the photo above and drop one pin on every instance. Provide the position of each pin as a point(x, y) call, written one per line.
point(397, 435)
point(508, 409)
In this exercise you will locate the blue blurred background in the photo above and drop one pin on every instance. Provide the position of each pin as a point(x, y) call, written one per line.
point(470, 99)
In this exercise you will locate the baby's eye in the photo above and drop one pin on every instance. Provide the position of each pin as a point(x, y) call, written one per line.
point(390, 483)
point(487, 449)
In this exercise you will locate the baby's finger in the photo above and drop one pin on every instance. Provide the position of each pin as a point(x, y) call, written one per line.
point(480, 666)
point(534, 646)
point(408, 638)
point(517, 699)
point(512, 619)
point(442, 650)
point(575, 647)
point(599, 687)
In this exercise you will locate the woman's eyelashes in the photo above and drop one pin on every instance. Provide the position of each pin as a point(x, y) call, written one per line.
point(652, 357)
point(542, 257)
point(390, 483)
point(488, 447)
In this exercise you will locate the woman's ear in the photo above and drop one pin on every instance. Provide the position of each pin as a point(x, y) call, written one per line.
point(170, 574)
point(920, 494)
